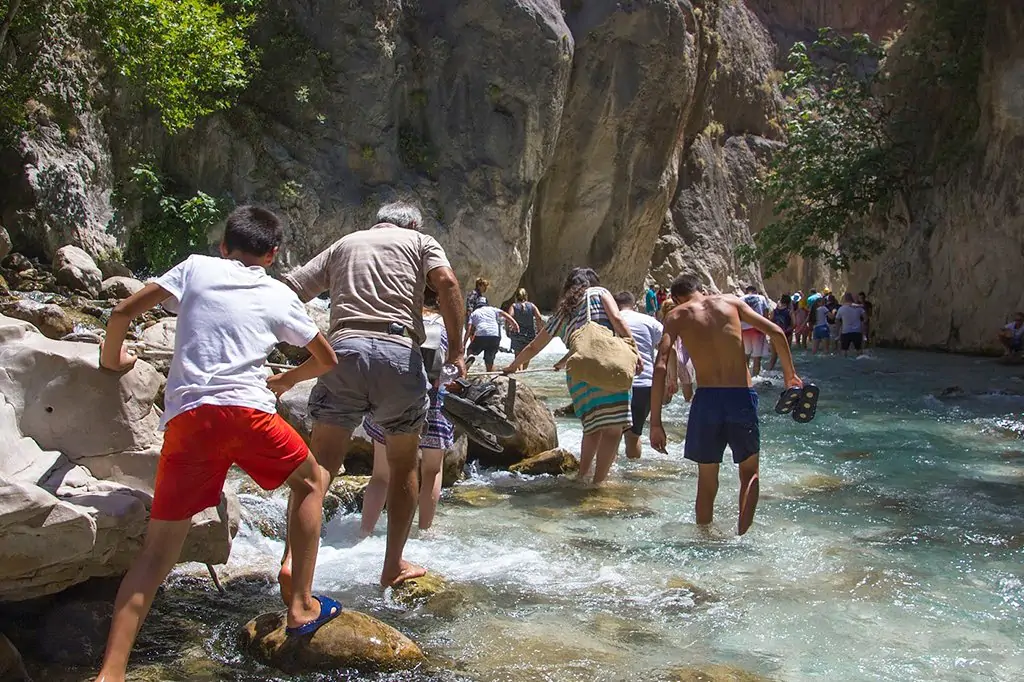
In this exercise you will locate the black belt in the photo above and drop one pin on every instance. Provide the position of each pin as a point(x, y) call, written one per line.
point(392, 328)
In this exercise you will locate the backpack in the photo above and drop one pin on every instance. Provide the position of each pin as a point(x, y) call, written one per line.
point(430, 349)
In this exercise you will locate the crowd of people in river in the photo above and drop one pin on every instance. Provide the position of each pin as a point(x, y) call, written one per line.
point(399, 329)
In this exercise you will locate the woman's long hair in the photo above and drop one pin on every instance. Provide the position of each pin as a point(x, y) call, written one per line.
point(576, 284)
point(521, 296)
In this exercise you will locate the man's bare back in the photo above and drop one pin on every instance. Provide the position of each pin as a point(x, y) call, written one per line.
point(710, 330)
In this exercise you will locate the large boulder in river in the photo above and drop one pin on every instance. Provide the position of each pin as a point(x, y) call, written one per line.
point(64, 426)
point(351, 640)
point(76, 269)
point(535, 428)
point(120, 287)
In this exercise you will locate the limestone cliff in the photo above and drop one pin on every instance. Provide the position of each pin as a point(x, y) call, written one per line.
point(948, 279)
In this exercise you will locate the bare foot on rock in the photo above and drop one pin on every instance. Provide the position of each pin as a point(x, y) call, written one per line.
point(406, 571)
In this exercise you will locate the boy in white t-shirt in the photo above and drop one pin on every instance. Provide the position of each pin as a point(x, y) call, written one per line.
point(221, 410)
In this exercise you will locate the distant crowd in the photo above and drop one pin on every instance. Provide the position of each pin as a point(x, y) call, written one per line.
point(818, 321)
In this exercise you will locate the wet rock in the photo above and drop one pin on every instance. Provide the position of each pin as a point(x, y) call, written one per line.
point(847, 455)
point(75, 632)
point(713, 673)
point(352, 640)
point(5, 243)
point(552, 463)
point(598, 505)
point(565, 411)
point(1012, 454)
point(120, 287)
point(691, 590)
point(75, 269)
point(49, 319)
point(535, 428)
point(476, 496)
point(951, 393)
point(12, 668)
point(419, 591)
point(453, 469)
point(820, 483)
point(345, 495)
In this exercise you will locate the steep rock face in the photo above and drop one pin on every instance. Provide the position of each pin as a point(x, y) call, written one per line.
point(616, 162)
point(793, 20)
point(716, 206)
point(946, 280)
point(57, 186)
point(454, 105)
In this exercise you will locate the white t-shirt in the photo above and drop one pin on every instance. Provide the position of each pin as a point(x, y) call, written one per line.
point(485, 321)
point(852, 318)
point(646, 333)
point(759, 304)
point(229, 319)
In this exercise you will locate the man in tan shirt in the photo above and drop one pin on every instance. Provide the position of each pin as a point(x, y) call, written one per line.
point(376, 279)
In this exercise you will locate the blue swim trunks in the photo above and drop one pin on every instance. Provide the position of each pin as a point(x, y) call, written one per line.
point(822, 332)
point(720, 417)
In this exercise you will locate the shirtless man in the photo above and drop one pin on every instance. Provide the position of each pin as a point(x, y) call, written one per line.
point(724, 409)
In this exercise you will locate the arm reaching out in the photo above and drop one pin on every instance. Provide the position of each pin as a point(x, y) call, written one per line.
point(525, 355)
point(778, 337)
point(513, 325)
point(113, 355)
point(658, 439)
point(323, 359)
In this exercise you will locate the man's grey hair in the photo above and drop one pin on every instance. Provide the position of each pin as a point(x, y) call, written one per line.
point(401, 214)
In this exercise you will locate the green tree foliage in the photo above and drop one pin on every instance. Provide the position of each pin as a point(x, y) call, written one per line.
point(172, 227)
point(188, 57)
point(839, 164)
point(185, 58)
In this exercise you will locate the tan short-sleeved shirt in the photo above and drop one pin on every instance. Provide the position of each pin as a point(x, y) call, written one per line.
point(374, 275)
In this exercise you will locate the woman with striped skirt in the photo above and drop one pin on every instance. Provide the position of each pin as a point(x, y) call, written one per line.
point(604, 414)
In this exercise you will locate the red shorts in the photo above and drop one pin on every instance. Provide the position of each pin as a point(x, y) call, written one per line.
point(201, 445)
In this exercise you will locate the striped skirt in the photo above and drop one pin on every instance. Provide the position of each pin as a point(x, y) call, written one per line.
point(598, 408)
point(438, 432)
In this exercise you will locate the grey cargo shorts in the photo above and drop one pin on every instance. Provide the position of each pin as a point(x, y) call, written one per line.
point(374, 376)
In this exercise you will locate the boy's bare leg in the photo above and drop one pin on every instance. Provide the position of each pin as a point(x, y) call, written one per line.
point(607, 450)
point(160, 551)
point(707, 490)
point(431, 464)
point(305, 513)
point(756, 369)
point(588, 448)
point(748, 469)
point(328, 444)
point(377, 491)
point(402, 489)
point(633, 448)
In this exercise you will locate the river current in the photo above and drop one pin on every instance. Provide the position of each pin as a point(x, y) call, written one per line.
point(888, 546)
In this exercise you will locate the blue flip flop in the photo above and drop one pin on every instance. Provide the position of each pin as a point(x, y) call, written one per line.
point(329, 610)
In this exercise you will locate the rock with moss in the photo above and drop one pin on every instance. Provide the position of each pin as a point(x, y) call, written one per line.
point(51, 320)
point(419, 591)
point(713, 673)
point(553, 463)
point(351, 640)
point(345, 495)
point(5, 243)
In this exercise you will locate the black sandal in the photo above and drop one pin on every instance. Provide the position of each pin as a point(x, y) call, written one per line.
point(807, 405)
point(787, 401)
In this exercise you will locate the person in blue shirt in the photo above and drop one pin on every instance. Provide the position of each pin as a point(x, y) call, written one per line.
point(651, 300)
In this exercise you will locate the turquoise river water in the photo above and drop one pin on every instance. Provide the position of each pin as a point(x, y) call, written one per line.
point(888, 546)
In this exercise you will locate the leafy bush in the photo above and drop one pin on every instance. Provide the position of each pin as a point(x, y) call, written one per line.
point(172, 227)
point(188, 57)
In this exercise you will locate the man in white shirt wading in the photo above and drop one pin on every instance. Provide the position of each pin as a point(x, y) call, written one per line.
point(376, 279)
point(647, 333)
